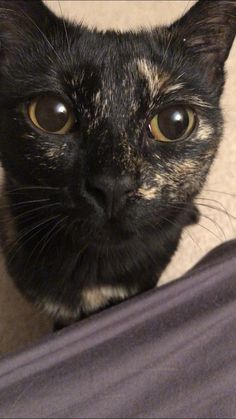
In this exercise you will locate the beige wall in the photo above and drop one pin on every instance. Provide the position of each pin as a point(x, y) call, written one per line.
point(20, 323)
point(121, 15)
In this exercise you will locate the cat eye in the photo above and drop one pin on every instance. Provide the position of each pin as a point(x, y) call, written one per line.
point(51, 114)
point(172, 124)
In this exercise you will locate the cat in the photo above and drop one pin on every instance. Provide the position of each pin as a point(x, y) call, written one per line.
point(106, 138)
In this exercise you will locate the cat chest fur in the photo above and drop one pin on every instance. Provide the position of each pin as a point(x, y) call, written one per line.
point(91, 300)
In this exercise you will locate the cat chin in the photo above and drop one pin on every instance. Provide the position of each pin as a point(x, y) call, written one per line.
point(106, 239)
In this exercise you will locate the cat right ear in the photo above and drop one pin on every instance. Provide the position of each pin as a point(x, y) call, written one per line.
point(208, 30)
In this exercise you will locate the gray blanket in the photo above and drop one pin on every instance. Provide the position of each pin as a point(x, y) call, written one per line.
point(169, 353)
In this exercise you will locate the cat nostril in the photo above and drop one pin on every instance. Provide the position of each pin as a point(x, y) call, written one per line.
point(96, 192)
point(110, 193)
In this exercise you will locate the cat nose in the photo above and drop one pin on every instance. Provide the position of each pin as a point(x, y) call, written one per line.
point(110, 193)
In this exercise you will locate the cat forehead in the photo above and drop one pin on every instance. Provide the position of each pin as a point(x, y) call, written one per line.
point(155, 78)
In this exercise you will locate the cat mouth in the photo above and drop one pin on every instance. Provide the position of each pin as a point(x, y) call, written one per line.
point(114, 231)
point(109, 232)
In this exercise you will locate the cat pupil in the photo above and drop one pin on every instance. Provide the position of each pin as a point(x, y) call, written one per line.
point(51, 114)
point(173, 122)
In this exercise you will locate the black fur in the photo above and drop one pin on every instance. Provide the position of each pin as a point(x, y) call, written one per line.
point(102, 75)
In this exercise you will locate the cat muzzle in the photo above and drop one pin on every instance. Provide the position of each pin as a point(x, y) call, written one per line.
point(110, 194)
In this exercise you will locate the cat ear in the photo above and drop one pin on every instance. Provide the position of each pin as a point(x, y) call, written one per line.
point(21, 22)
point(208, 30)
point(19, 16)
point(35, 9)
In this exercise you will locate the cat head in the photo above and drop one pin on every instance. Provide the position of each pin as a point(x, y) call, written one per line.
point(119, 129)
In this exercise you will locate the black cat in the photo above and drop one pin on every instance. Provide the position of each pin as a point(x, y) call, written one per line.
point(105, 140)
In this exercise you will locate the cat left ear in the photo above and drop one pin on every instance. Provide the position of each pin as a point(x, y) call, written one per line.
point(208, 30)
point(23, 15)
point(18, 20)
point(31, 9)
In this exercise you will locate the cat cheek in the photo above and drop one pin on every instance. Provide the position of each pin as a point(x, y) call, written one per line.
point(57, 151)
point(205, 131)
point(9, 228)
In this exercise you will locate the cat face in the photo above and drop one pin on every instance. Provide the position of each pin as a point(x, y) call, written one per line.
point(116, 131)
point(108, 165)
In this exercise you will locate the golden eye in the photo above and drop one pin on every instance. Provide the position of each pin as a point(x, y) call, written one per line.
point(51, 114)
point(172, 124)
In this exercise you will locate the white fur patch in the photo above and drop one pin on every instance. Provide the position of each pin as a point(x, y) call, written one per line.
point(94, 298)
point(59, 311)
point(196, 100)
point(91, 299)
point(174, 88)
point(204, 131)
point(150, 73)
point(148, 193)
